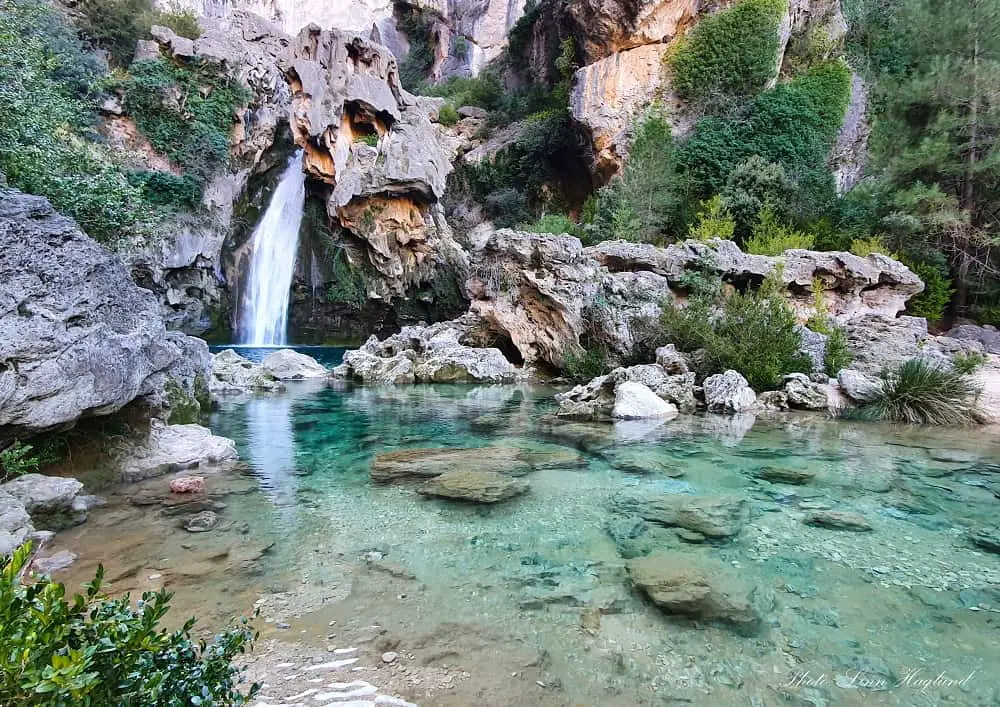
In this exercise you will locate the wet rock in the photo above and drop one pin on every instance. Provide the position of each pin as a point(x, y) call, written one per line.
point(287, 364)
point(986, 538)
point(804, 394)
point(713, 516)
point(782, 475)
point(170, 448)
point(426, 463)
point(728, 392)
point(477, 486)
point(201, 522)
point(689, 536)
point(47, 499)
point(53, 563)
point(838, 520)
point(642, 460)
point(233, 374)
point(697, 589)
point(188, 484)
point(634, 401)
point(15, 524)
point(856, 385)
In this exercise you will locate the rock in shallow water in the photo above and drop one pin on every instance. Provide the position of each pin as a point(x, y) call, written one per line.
point(201, 522)
point(838, 520)
point(287, 364)
point(428, 462)
point(233, 374)
point(805, 394)
point(712, 516)
point(634, 401)
point(781, 475)
point(170, 448)
point(477, 486)
point(53, 563)
point(188, 484)
point(728, 392)
point(698, 589)
point(986, 538)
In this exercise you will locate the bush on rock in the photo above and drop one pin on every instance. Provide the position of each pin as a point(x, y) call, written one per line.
point(919, 391)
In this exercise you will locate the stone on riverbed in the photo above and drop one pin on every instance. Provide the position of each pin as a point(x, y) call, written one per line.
point(699, 590)
point(404, 464)
point(782, 475)
point(642, 460)
point(728, 392)
point(53, 563)
point(986, 538)
point(713, 516)
point(634, 401)
point(188, 484)
point(200, 522)
point(838, 520)
point(477, 486)
point(169, 448)
point(286, 364)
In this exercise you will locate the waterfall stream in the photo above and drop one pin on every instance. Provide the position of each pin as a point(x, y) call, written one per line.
point(275, 240)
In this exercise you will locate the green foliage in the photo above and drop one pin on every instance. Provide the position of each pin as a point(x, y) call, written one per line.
point(553, 223)
point(349, 286)
point(448, 115)
point(186, 112)
point(863, 247)
point(770, 237)
point(754, 333)
point(586, 364)
point(461, 49)
point(968, 363)
point(731, 54)
point(938, 290)
point(16, 460)
point(921, 392)
point(166, 189)
point(837, 355)
point(370, 139)
point(752, 185)
point(116, 25)
point(712, 221)
point(485, 91)
point(47, 109)
point(94, 650)
point(417, 23)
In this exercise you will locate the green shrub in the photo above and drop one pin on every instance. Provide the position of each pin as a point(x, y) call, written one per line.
point(752, 185)
point(448, 115)
point(370, 139)
point(586, 364)
point(166, 189)
point(712, 221)
point(485, 91)
point(16, 460)
point(349, 285)
point(689, 328)
point(863, 247)
point(769, 237)
point(968, 363)
point(837, 355)
point(921, 392)
point(553, 223)
point(116, 25)
point(183, 22)
point(417, 23)
point(506, 207)
point(100, 651)
point(933, 301)
point(733, 53)
point(186, 112)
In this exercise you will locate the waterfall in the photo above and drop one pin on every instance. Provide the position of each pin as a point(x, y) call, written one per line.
point(274, 243)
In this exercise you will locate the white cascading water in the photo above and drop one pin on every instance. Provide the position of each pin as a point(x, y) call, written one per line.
point(275, 240)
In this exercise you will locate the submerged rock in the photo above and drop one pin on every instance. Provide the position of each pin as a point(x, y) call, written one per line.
point(53, 563)
point(234, 374)
point(728, 392)
point(200, 522)
point(782, 475)
point(838, 520)
point(986, 538)
point(634, 401)
point(642, 460)
point(287, 364)
point(682, 585)
point(713, 516)
point(188, 484)
point(169, 448)
point(406, 464)
point(474, 485)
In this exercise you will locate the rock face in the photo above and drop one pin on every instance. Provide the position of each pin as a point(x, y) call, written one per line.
point(287, 365)
point(987, 335)
point(426, 354)
point(80, 338)
point(169, 448)
point(728, 392)
point(698, 590)
point(634, 401)
point(232, 375)
point(877, 341)
point(474, 485)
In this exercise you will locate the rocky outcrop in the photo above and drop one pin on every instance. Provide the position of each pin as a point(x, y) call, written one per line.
point(426, 354)
point(286, 364)
point(598, 398)
point(52, 502)
point(805, 394)
point(987, 335)
point(169, 448)
point(233, 374)
point(728, 392)
point(78, 338)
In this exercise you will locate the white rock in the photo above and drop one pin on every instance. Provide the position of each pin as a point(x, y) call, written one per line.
point(287, 364)
point(728, 392)
point(634, 401)
point(170, 448)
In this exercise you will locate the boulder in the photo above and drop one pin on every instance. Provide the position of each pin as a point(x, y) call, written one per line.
point(287, 364)
point(170, 448)
point(987, 335)
point(728, 392)
point(85, 338)
point(838, 520)
point(405, 464)
point(53, 563)
point(672, 361)
point(773, 400)
point(856, 385)
point(634, 401)
point(426, 354)
point(49, 500)
point(718, 517)
point(233, 374)
point(698, 589)
point(804, 394)
point(597, 398)
point(813, 346)
point(15, 524)
point(877, 342)
point(474, 485)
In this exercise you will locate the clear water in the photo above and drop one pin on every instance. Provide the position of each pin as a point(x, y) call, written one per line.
point(504, 590)
point(329, 356)
point(263, 318)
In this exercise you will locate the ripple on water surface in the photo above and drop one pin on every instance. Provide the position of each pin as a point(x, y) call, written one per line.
point(307, 536)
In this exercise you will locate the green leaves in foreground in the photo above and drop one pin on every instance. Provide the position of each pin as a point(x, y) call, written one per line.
point(919, 391)
point(95, 651)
